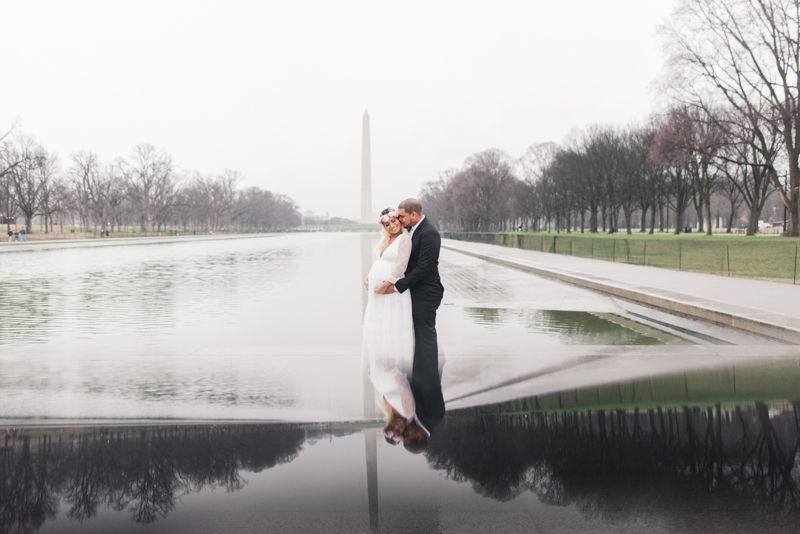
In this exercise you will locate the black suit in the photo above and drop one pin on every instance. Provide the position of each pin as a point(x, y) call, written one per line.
point(422, 278)
point(422, 272)
point(430, 404)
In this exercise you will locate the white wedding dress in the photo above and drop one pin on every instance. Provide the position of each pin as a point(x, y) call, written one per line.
point(388, 345)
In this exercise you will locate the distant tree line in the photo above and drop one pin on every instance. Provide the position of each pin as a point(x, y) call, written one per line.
point(144, 190)
point(732, 131)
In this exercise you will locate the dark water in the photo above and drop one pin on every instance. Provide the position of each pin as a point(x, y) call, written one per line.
point(696, 455)
point(569, 327)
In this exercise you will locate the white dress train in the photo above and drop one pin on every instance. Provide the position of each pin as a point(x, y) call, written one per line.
point(388, 330)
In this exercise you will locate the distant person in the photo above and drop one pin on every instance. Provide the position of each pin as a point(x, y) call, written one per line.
point(102, 234)
point(10, 236)
point(107, 234)
point(16, 236)
point(22, 235)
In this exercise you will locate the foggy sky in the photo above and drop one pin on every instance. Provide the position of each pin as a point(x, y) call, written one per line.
point(277, 90)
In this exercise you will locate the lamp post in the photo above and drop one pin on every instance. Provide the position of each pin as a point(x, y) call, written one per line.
point(784, 205)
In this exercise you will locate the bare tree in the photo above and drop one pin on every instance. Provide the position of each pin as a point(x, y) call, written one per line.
point(9, 160)
point(703, 143)
point(27, 178)
point(671, 149)
point(745, 166)
point(434, 196)
point(534, 166)
point(732, 188)
point(56, 198)
point(85, 175)
point(634, 166)
point(582, 157)
point(746, 54)
point(149, 176)
point(51, 186)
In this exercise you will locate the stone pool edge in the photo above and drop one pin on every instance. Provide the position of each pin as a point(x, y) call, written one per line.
point(672, 304)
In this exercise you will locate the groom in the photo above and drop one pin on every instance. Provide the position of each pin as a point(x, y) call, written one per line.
point(422, 279)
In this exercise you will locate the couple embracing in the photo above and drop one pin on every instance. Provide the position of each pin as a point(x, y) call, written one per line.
point(399, 329)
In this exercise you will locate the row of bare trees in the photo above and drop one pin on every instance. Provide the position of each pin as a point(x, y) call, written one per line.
point(732, 131)
point(144, 190)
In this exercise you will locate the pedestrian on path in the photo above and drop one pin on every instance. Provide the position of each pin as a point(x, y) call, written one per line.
point(22, 235)
point(16, 236)
point(10, 236)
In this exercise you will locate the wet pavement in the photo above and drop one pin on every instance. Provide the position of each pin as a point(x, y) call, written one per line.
point(217, 387)
point(762, 307)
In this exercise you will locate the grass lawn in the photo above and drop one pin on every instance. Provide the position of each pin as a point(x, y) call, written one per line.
point(657, 235)
point(760, 257)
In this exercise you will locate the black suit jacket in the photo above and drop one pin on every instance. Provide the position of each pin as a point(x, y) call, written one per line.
point(422, 272)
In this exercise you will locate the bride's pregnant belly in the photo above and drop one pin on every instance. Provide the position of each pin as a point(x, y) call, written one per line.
point(379, 273)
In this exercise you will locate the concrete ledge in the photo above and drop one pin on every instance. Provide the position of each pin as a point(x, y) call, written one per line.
point(45, 244)
point(734, 316)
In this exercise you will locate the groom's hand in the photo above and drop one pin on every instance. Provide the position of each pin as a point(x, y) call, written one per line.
point(385, 288)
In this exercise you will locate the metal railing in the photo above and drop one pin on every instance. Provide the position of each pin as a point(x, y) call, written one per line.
point(768, 260)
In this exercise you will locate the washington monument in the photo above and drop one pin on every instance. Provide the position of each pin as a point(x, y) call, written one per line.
point(366, 173)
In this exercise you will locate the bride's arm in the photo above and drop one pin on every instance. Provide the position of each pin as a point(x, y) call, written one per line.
point(404, 253)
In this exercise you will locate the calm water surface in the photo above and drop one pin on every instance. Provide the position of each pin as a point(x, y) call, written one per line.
point(257, 291)
point(260, 328)
point(581, 433)
point(672, 469)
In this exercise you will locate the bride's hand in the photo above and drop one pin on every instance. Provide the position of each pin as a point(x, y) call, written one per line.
point(381, 289)
point(366, 284)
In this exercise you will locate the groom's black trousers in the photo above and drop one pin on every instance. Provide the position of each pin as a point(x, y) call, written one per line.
point(425, 372)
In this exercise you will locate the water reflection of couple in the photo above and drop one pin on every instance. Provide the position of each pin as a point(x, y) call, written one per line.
point(400, 343)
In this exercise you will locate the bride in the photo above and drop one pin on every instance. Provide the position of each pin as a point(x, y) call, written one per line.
point(388, 346)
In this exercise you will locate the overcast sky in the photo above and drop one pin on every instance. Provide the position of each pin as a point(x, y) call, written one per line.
point(276, 90)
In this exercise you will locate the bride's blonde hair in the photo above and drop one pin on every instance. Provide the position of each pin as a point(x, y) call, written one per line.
point(395, 423)
point(388, 214)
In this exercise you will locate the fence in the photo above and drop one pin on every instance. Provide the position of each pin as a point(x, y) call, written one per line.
point(741, 257)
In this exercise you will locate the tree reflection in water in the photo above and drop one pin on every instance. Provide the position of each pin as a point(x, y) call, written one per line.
point(640, 464)
point(140, 470)
point(621, 464)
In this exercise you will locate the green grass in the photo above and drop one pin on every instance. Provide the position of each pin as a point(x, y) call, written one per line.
point(769, 258)
point(657, 235)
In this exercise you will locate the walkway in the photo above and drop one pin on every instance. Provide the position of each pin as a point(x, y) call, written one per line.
point(116, 241)
point(765, 308)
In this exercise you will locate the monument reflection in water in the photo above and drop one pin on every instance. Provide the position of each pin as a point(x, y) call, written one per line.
point(608, 463)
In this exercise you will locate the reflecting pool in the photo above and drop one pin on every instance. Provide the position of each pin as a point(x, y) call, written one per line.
point(710, 467)
point(269, 328)
point(216, 386)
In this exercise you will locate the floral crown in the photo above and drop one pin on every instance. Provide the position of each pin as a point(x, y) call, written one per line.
point(387, 217)
point(397, 438)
